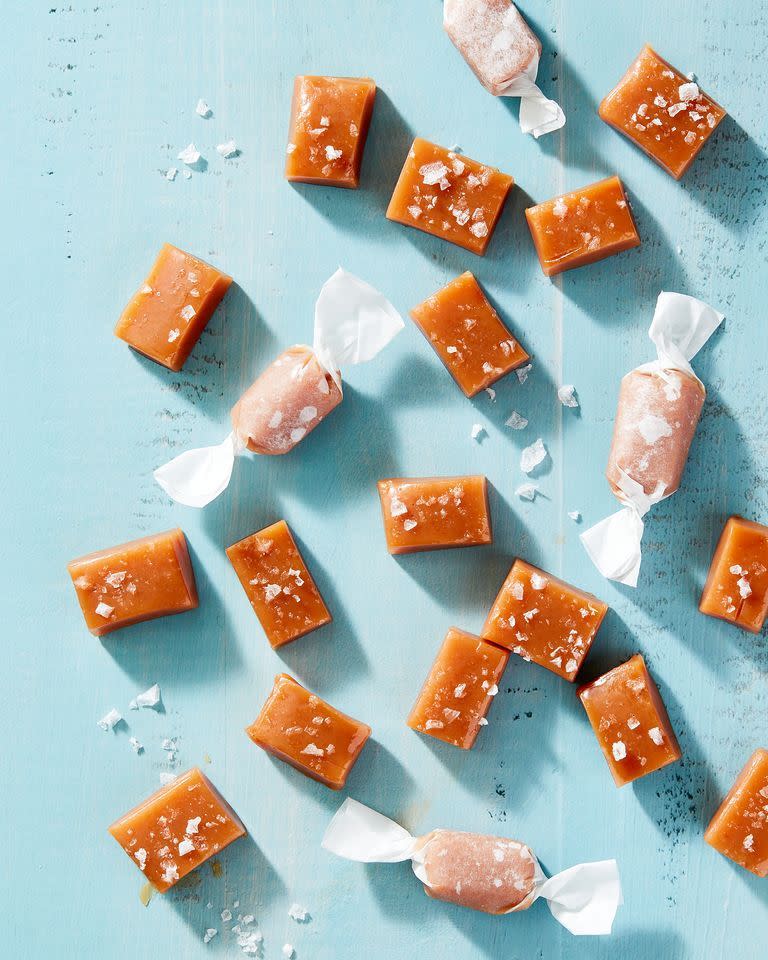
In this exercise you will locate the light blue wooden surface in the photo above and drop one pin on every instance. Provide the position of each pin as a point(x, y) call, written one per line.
point(98, 98)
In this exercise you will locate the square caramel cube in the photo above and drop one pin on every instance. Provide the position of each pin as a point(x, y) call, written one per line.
point(468, 335)
point(739, 829)
point(330, 117)
point(278, 584)
point(178, 827)
point(662, 112)
point(459, 689)
point(435, 513)
point(544, 619)
point(309, 734)
point(582, 227)
point(140, 580)
point(449, 196)
point(166, 316)
point(630, 721)
point(737, 586)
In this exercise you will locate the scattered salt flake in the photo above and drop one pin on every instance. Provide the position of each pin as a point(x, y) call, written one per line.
point(522, 372)
point(736, 568)
point(173, 335)
point(619, 750)
point(288, 951)
point(226, 915)
point(170, 173)
point(150, 698)
point(567, 395)
point(193, 825)
point(574, 515)
point(633, 723)
point(313, 750)
point(527, 491)
point(202, 109)
point(186, 846)
point(187, 312)
point(166, 778)
point(477, 430)
point(688, 92)
point(749, 841)
point(460, 690)
point(571, 666)
point(110, 720)
point(187, 174)
point(434, 725)
point(538, 582)
point(189, 155)
point(104, 610)
point(415, 211)
point(492, 690)
point(135, 745)
point(396, 507)
point(141, 857)
point(491, 393)
point(744, 588)
point(409, 524)
point(209, 934)
point(516, 421)
point(656, 735)
point(331, 153)
point(432, 173)
point(560, 208)
point(479, 229)
point(298, 913)
point(517, 590)
point(228, 149)
point(483, 722)
point(271, 591)
point(532, 456)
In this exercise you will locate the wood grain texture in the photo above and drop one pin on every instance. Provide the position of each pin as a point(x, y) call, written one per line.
point(98, 99)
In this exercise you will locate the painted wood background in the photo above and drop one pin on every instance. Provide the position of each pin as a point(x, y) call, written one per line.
point(98, 98)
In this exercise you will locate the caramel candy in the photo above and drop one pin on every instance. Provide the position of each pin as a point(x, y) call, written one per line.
point(146, 578)
point(458, 692)
point(494, 39)
point(491, 874)
point(432, 513)
point(737, 586)
point(630, 721)
point(165, 318)
point(449, 196)
point(582, 227)
point(301, 729)
point(656, 418)
point(544, 619)
point(662, 112)
point(285, 403)
point(329, 125)
point(468, 335)
point(276, 580)
point(739, 829)
point(177, 828)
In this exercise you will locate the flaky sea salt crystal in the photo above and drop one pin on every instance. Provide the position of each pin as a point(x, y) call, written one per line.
point(409, 524)
point(656, 735)
point(298, 913)
point(186, 846)
point(522, 372)
point(619, 750)
point(110, 720)
point(479, 229)
point(517, 590)
point(104, 610)
point(189, 155)
point(313, 750)
point(567, 395)
point(202, 109)
point(209, 934)
point(170, 173)
point(574, 515)
point(135, 745)
point(483, 722)
point(288, 951)
point(560, 208)
point(492, 690)
point(527, 491)
point(538, 582)
point(532, 456)
point(432, 173)
point(744, 588)
point(516, 421)
point(633, 723)
point(228, 149)
point(226, 915)
point(187, 174)
point(749, 842)
point(331, 153)
point(271, 591)
point(477, 430)
point(491, 393)
point(396, 507)
point(150, 698)
point(688, 91)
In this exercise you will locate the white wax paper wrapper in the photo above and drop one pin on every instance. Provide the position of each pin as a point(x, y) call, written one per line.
point(680, 327)
point(353, 323)
point(584, 898)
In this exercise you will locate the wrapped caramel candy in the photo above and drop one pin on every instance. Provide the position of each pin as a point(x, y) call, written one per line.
point(491, 874)
point(503, 53)
point(658, 410)
point(353, 323)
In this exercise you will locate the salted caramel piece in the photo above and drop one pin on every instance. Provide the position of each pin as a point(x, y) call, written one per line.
point(459, 689)
point(737, 585)
point(177, 828)
point(433, 513)
point(630, 721)
point(582, 227)
point(662, 112)
point(656, 418)
point(468, 335)
point(544, 619)
point(166, 316)
point(449, 196)
point(739, 829)
point(301, 729)
point(494, 39)
point(140, 580)
point(491, 874)
point(329, 125)
point(278, 584)
point(285, 402)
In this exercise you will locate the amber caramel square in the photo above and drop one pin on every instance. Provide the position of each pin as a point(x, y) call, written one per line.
point(737, 586)
point(739, 828)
